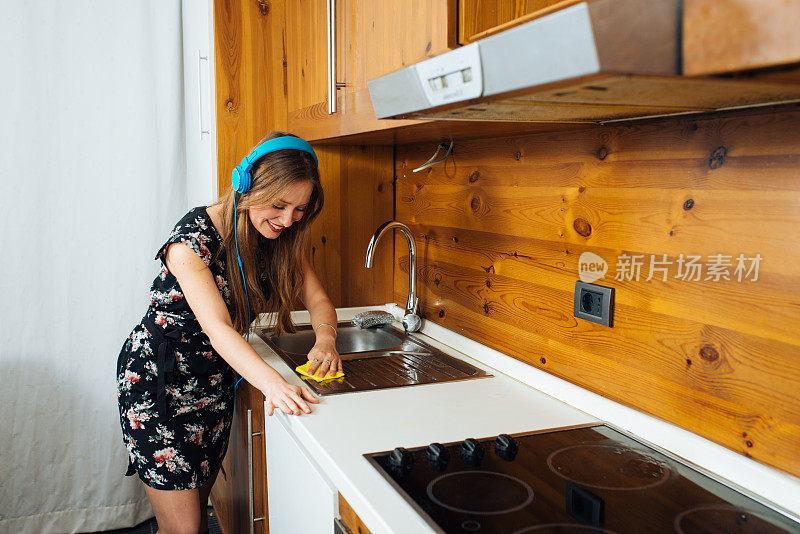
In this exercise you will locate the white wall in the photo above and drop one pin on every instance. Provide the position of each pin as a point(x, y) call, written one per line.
point(92, 178)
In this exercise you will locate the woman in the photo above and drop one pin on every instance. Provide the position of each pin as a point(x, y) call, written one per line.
point(221, 266)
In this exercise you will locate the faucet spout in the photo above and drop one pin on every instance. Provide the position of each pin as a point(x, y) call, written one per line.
point(411, 321)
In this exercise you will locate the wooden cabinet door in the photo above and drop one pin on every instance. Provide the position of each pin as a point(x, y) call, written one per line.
point(480, 18)
point(306, 54)
point(371, 39)
point(243, 468)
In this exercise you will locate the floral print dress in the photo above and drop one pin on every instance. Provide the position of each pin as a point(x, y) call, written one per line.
point(175, 393)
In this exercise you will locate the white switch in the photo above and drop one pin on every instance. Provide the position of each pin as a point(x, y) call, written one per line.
point(436, 83)
point(453, 79)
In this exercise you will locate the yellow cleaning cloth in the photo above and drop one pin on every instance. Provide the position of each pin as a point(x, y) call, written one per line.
point(303, 370)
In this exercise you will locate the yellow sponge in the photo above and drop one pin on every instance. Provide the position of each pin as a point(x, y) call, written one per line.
point(303, 370)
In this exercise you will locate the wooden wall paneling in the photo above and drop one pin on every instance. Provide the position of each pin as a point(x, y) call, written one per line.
point(501, 227)
point(326, 245)
point(249, 54)
point(367, 201)
point(359, 196)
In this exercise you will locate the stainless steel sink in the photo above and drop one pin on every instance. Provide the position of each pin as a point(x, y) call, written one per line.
point(374, 358)
point(349, 339)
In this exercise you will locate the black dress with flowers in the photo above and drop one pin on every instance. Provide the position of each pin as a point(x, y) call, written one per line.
point(176, 394)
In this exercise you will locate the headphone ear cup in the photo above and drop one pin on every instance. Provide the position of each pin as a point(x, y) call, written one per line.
point(240, 180)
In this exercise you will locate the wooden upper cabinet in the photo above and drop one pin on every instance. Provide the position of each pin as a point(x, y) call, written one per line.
point(306, 54)
point(722, 36)
point(371, 39)
point(481, 18)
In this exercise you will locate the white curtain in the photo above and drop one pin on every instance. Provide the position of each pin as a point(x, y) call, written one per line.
point(93, 177)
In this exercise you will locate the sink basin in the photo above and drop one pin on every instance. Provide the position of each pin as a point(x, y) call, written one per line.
point(349, 340)
point(373, 358)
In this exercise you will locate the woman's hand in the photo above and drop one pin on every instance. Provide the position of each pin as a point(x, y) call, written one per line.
point(323, 357)
point(287, 398)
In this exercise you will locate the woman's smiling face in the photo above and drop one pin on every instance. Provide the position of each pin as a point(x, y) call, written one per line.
point(270, 220)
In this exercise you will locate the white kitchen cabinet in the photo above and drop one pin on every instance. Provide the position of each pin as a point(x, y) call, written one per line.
point(199, 109)
point(301, 497)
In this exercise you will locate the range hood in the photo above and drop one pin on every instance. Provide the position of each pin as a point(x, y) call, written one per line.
point(597, 61)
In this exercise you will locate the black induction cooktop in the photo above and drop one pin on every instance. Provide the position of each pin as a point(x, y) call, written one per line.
point(588, 479)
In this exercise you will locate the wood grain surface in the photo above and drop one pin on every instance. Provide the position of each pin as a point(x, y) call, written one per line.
point(502, 224)
point(734, 35)
point(359, 196)
point(372, 39)
point(481, 18)
point(230, 494)
point(251, 94)
point(350, 518)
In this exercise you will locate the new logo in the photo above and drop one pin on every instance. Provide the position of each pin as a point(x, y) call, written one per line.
point(591, 267)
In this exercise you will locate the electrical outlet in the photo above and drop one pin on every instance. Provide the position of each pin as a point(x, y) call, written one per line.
point(594, 303)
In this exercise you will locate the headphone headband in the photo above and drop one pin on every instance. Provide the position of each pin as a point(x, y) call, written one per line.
point(241, 179)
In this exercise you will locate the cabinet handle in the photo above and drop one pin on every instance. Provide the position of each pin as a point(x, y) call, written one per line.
point(331, 57)
point(200, 59)
point(251, 500)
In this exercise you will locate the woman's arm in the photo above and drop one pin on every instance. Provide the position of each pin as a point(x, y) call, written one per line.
point(203, 297)
point(323, 319)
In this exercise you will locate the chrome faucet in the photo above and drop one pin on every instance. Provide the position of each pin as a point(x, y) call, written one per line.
point(411, 321)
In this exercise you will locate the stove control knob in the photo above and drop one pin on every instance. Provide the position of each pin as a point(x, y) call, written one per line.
point(401, 460)
point(471, 451)
point(506, 447)
point(437, 456)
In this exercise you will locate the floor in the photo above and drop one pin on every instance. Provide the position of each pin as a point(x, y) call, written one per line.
point(151, 527)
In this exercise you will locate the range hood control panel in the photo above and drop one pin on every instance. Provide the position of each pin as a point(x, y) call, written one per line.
point(452, 77)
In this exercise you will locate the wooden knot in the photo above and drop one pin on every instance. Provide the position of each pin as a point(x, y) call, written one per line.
point(517, 155)
point(717, 158)
point(263, 7)
point(474, 177)
point(477, 206)
point(323, 240)
point(602, 153)
point(230, 107)
point(441, 313)
point(380, 188)
point(486, 307)
point(689, 204)
point(709, 353)
point(544, 361)
point(582, 226)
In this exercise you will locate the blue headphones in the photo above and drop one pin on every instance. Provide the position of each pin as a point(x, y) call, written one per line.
point(241, 179)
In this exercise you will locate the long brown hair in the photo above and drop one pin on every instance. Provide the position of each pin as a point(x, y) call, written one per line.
point(272, 267)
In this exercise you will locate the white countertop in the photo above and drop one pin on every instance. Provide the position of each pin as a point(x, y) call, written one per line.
point(343, 427)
